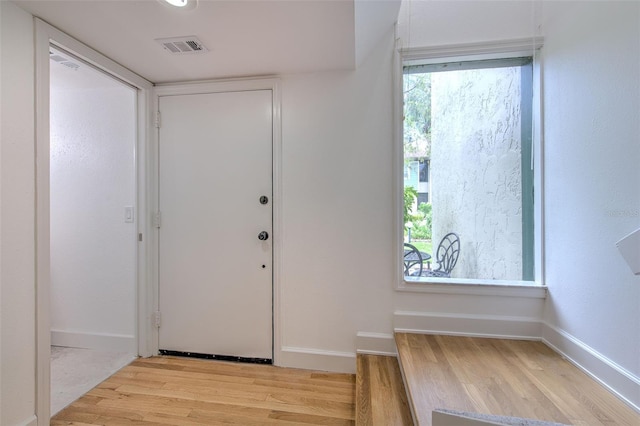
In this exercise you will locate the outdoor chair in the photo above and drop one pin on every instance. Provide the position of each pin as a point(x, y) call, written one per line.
point(446, 257)
point(412, 257)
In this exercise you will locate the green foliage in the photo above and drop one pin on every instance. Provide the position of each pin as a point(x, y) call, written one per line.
point(420, 220)
point(410, 195)
point(421, 223)
point(417, 114)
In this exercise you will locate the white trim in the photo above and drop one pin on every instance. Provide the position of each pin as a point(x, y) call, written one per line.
point(376, 344)
point(216, 86)
point(43, 332)
point(31, 421)
point(619, 381)
point(493, 326)
point(479, 51)
point(97, 341)
point(537, 144)
point(318, 359)
point(236, 85)
point(397, 169)
point(470, 51)
point(145, 254)
point(47, 35)
point(524, 289)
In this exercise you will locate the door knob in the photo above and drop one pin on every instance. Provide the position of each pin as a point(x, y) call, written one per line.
point(264, 235)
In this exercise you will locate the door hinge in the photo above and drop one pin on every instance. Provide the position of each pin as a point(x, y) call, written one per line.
point(156, 319)
point(158, 119)
point(157, 219)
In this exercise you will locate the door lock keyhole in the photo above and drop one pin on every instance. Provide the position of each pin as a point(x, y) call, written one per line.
point(264, 199)
point(263, 236)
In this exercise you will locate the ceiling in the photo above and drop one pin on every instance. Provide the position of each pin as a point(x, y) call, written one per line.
point(244, 37)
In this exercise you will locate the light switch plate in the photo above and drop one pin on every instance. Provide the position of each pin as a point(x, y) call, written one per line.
point(128, 214)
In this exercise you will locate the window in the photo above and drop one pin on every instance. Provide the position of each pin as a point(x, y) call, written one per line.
point(467, 150)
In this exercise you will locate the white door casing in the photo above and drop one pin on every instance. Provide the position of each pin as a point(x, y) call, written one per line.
point(215, 275)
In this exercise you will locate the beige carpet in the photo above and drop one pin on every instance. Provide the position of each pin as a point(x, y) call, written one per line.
point(74, 372)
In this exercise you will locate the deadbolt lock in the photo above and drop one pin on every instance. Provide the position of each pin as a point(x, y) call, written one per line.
point(264, 199)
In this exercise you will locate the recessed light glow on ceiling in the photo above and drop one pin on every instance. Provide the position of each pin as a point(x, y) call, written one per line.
point(182, 4)
point(178, 3)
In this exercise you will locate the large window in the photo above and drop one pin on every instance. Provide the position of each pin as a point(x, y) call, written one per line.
point(468, 175)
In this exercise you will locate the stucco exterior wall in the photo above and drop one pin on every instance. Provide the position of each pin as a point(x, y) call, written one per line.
point(476, 171)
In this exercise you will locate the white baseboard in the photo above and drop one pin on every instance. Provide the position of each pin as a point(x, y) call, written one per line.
point(97, 341)
point(31, 421)
point(502, 327)
point(618, 380)
point(376, 344)
point(317, 359)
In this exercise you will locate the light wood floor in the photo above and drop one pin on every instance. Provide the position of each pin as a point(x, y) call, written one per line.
point(503, 377)
point(380, 395)
point(177, 391)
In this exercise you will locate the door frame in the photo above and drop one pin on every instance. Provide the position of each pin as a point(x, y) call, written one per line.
point(45, 36)
point(222, 86)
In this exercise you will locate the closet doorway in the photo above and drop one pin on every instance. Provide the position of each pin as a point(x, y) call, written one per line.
point(93, 215)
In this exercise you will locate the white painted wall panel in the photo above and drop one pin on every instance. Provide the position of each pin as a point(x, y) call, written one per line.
point(336, 268)
point(17, 248)
point(592, 153)
point(442, 22)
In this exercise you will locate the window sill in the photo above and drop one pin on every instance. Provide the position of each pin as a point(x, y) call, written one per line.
point(474, 287)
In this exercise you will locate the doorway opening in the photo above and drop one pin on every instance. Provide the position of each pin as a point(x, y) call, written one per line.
point(137, 338)
point(93, 232)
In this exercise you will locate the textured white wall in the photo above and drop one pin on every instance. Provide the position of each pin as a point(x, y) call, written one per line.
point(475, 169)
point(93, 135)
point(17, 248)
point(592, 180)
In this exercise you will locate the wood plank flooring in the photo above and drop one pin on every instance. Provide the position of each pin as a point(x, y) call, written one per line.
point(503, 377)
point(178, 391)
point(380, 395)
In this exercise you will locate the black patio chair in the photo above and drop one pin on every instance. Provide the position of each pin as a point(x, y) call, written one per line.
point(446, 257)
point(412, 257)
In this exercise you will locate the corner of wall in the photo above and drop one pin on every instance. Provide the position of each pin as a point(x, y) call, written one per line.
point(612, 376)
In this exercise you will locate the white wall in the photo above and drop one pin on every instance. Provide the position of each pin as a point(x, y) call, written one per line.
point(442, 22)
point(93, 136)
point(17, 248)
point(592, 181)
point(337, 273)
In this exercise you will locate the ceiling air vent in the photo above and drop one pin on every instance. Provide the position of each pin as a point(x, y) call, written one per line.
point(182, 45)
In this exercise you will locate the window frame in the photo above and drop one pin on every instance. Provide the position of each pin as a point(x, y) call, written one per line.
point(471, 52)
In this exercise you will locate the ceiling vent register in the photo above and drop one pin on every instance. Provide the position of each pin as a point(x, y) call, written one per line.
point(182, 45)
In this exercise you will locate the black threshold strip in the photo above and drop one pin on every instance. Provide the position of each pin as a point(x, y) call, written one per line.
point(217, 357)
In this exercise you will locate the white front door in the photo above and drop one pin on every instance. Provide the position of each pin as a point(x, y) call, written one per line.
point(215, 237)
